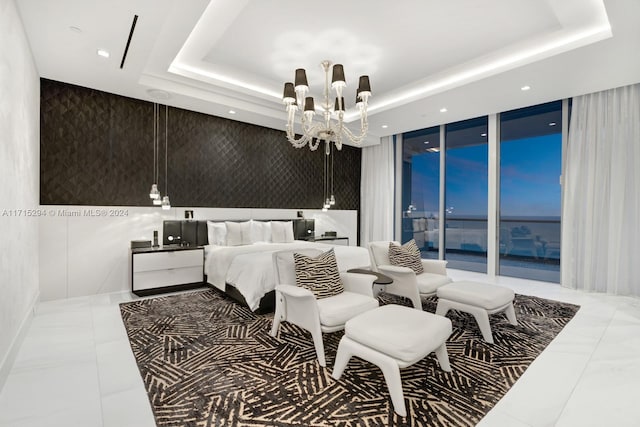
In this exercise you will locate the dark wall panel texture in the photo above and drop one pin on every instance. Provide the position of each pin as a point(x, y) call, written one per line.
point(96, 148)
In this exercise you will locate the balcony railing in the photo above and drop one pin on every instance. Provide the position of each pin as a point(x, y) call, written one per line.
point(532, 239)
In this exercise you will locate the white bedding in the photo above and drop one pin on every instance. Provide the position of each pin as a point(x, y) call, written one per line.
point(249, 268)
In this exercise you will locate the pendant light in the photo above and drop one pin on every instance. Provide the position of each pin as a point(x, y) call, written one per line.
point(157, 201)
point(154, 193)
point(166, 205)
point(332, 199)
point(327, 203)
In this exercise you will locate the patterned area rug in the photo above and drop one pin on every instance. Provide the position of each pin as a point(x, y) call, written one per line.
point(206, 361)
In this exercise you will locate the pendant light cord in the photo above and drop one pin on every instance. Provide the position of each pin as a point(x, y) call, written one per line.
point(166, 144)
point(155, 160)
point(153, 179)
point(332, 154)
point(326, 178)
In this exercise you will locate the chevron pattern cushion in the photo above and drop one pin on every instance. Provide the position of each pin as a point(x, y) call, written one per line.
point(318, 274)
point(407, 255)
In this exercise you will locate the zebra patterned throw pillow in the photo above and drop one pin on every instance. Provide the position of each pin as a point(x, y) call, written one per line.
point(318, 274)
point(407, 255)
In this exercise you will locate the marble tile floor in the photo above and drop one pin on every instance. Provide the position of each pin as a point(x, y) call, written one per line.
point(75, 367)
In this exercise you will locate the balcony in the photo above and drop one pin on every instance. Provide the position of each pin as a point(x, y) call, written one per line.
point(528, 247)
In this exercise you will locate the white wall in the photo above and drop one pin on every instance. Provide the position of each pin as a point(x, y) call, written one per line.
point(84, 250)
point(19, 182)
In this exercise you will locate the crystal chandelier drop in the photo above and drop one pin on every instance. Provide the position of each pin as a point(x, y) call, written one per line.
point(329, 128)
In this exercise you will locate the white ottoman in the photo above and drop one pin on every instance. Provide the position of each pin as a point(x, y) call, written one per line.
point(478, 299)
point(393, 337)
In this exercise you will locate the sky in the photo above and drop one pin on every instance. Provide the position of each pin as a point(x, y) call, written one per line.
point(529, 179)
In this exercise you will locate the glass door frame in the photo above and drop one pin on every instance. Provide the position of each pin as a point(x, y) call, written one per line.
point(493, 202)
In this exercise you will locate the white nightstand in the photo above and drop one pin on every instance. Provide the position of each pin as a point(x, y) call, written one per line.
point(166, 269)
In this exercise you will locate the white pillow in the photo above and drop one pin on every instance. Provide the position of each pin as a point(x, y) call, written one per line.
point(234, 233)
point(260, 231)
point(266, 231)
point(282, 231)
point(238, 233)
point(217, 233)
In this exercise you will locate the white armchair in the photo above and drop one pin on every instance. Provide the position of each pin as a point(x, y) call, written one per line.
point(299, 306)
point(406, 282)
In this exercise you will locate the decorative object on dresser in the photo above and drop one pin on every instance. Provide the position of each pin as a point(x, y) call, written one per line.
point(136, 244)
point(166, 269)
point(295, 96)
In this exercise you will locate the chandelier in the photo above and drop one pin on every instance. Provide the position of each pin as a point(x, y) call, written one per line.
point(329, 129)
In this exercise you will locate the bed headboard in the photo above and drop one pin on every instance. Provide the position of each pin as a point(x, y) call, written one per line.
point(194, 232)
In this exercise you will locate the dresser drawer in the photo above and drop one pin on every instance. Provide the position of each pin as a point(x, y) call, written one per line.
point(160, 278)
point(164, 260)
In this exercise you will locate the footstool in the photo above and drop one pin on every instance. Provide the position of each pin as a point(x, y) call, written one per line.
point(479, 300)
point(393, 337)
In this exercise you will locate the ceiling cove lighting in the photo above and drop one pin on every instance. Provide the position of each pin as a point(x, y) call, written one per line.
point(331, 126)
point(103, 53)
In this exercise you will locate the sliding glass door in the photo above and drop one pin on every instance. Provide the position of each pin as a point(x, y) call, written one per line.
point(530, 197)
point(466, 180)
point(421, 189)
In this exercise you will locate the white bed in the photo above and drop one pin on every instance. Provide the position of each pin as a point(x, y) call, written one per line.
point(249, 268)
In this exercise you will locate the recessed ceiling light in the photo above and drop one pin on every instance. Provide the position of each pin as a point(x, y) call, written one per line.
point(483, 134)
point(443, 110)
point(525, 88)
point(426, 142)
point(103, 53)
point(231, 112)
point(75, 29)
point(384, 126)
point(158, 94)
point(552, 124)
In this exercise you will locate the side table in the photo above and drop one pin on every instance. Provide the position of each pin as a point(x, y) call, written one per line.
point(381, 279)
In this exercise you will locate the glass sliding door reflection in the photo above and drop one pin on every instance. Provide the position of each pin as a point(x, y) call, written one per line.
point(421, 189)
point(530, 197)
point(466, 192)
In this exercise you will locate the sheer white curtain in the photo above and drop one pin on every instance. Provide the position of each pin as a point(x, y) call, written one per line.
point(377, 192)
point(601, 202)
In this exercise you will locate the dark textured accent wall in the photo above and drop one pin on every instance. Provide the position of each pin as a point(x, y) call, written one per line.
point(96, 148)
